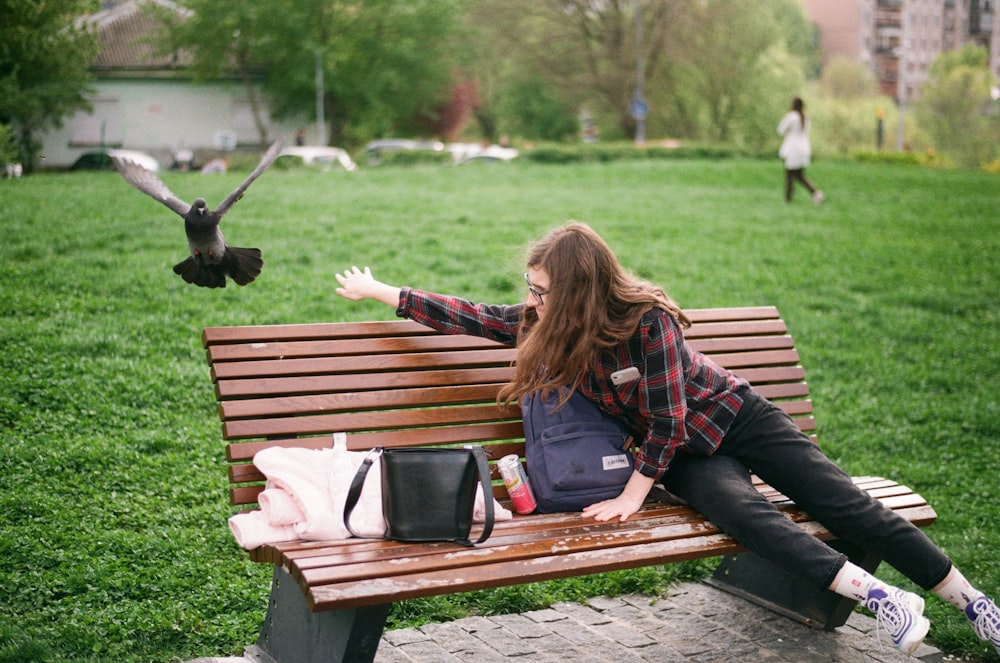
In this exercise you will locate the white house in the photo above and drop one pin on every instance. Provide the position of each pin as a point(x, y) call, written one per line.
point(143, 101)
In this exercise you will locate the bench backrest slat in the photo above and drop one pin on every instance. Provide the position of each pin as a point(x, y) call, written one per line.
point(398, 383)
point(353, 382)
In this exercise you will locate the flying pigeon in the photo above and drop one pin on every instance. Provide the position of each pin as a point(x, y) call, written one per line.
point(211, 259)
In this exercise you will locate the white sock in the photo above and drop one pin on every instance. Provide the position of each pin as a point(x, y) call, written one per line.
point(956, 590)
point(856, 583)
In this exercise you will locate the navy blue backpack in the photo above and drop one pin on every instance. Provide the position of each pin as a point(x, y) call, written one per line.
point(577, 456)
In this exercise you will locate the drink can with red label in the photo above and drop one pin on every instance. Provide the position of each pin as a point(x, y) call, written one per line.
point(516, 481)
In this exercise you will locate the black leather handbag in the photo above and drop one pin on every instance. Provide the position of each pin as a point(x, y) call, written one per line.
point(428, 494)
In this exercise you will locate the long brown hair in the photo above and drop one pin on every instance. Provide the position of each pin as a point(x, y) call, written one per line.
point(592, 303)
point(799, 107)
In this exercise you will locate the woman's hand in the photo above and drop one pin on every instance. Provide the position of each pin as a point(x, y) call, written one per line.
point(623, 506)
point(620, 507)
point(356, 285)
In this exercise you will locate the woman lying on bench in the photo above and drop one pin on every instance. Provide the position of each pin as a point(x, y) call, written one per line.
point(587, 321)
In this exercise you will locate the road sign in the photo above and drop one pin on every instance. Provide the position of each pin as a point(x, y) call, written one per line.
point(639, 109)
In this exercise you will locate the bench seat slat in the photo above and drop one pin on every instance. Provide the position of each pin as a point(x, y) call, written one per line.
point(543, 567)
point(514, 545)
point(304, 554)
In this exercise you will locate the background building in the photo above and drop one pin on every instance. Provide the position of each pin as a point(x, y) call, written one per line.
point(899, 39)
point(145, 100)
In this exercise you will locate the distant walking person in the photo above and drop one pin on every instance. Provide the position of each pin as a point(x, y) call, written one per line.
point(796, 150)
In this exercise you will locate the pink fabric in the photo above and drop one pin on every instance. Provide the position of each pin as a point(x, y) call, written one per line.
point(251, 530)
point(279, 507)
point(317, 482)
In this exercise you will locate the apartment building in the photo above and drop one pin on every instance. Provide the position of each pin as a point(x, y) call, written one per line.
point(899, 39)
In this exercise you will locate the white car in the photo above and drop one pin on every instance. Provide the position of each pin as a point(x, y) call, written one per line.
point(319, 156)
point(376, 148)
point(471, 152)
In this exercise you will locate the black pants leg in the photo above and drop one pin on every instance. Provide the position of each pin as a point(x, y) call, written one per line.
point(791, 176)
point(765, 440)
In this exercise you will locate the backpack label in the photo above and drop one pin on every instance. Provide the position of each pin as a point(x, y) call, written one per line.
point(615, 462)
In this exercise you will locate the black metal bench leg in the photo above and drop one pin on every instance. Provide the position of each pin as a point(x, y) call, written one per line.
point(757, 580)
point(293, 634)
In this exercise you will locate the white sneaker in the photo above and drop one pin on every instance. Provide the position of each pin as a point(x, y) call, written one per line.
point(984, 616)
point(901, 615)
point(818, 197)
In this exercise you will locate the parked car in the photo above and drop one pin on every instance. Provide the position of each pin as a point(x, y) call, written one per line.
point(474, 152)
point(376, 148)
point(318, 156)
point(101, 160)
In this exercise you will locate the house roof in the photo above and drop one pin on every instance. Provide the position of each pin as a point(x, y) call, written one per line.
point(127, 31)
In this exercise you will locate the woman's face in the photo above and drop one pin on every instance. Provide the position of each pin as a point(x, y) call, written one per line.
point(538, 287)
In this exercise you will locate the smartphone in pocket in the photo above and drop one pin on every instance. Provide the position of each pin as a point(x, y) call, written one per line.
point(625, 375)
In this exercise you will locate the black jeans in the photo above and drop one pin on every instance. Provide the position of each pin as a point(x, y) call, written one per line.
point(791, 176)
point(765, 440)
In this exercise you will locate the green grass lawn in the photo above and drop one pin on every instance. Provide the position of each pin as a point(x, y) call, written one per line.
point(113, 542)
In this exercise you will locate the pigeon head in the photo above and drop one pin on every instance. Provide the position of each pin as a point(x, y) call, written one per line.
point(199, 205)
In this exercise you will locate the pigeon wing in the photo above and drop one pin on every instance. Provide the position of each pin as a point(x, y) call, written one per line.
point(265, 163)
point(146, 181)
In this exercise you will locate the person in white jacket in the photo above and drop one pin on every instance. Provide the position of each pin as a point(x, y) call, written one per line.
point(796, 151)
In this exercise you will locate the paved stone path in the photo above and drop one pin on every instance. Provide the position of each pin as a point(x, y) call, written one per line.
point(694, 623)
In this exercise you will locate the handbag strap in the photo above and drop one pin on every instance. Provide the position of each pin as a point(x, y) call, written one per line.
point(484, 479)
point(357, 483)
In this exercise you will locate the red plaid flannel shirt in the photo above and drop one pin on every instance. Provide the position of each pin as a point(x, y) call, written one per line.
point(681, 401)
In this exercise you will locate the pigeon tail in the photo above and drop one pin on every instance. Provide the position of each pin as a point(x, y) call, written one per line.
point(206, 276)
point(243, 265)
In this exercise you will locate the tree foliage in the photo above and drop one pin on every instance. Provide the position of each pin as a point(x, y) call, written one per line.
point(45, 52)
point(956, 107)
point(716, 69)
point(384, 62)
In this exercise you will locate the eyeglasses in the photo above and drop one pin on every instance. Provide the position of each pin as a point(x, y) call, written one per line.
point(538, 294)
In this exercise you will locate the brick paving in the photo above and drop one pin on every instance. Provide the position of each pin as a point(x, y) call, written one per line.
point(693, 623)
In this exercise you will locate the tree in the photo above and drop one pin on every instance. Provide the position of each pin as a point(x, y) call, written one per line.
point(385, 63)
point(736, 65)
point(713, 68)
point(956, 107)
point(575, 53)
point(847, 79)
point(44, 67)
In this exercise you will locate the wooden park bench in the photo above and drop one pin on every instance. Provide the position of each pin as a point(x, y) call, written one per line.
point(400, 384)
